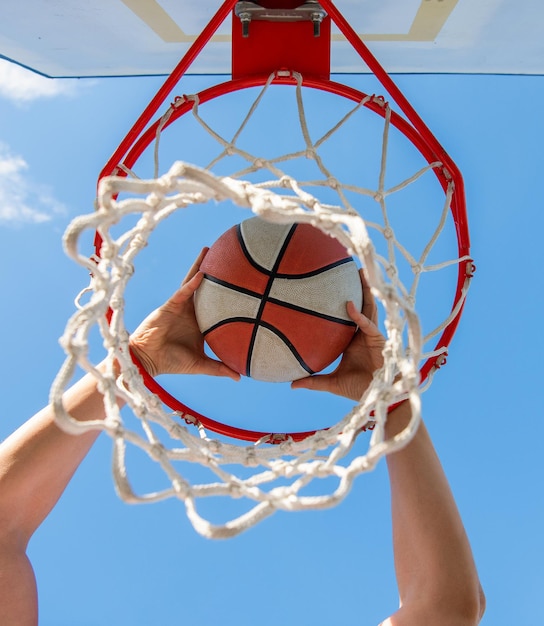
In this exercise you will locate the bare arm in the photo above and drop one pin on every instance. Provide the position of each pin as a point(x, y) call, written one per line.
point(36, 464)
point(436, 575)
point(39, 459)
point(437, 578)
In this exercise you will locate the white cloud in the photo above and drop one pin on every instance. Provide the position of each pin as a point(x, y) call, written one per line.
point(21, 85)
point(22, 201)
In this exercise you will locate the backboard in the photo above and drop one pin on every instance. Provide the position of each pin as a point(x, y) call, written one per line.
point(93, 38)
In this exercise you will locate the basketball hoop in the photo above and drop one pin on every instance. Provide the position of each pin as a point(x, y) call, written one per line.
point(265, 186)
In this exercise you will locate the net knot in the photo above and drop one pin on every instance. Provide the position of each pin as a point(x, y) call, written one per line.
point(174, 430)
point(319, 441)
point(251, 458)
point(76, 348)
point(286, 446)
point(139, 242)
point(379, 196)
point(153, 199)
point(380, 100)
point(234, 490)
point(116, 430)
point(392, 272)
point(181, 488)
point(214, 447)
point(116, 304)
point(156, 451)
point(140, 409)
point(124, 270)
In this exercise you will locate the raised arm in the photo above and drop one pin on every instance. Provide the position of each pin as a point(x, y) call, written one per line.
point(36, 464)
point(39, 459)
point(436, 575)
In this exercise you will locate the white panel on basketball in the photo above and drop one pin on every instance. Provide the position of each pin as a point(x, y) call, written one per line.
point(263, 235)
point(222, 303)
point(326, 293)
point(272, 361)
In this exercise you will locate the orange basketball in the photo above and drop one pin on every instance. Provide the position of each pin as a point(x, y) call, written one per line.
point(272, 304)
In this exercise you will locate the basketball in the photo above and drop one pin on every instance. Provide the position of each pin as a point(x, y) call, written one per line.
point(272, 304)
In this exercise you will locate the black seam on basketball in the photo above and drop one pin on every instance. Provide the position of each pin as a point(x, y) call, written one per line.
point(247, 254)
point(228, 320)
point(268, 287)
point(287, 343)
point(272, 329)
point(224, 283)
point(316, 272)
point(312, 312)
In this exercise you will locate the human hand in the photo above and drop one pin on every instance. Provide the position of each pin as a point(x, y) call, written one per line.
point(361, 359)
point(169, 341)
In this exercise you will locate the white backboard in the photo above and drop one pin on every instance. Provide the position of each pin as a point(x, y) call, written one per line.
point(75, 38)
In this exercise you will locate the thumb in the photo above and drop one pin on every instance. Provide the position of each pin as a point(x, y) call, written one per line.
point(211, 367)
point(320, 382)
point(186, 291)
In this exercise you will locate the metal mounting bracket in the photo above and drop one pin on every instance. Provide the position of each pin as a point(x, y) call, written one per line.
point(310, 11)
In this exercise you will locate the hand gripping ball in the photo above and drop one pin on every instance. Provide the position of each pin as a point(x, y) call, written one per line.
point(272, 304)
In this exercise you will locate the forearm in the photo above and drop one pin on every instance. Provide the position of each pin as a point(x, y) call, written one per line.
point(38, 460)
point(433, 558)
point(36, 463)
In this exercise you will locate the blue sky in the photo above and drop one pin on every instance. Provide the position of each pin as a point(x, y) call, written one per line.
point(99, 561)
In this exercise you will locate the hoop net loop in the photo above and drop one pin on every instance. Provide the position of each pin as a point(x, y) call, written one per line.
point(300, 461)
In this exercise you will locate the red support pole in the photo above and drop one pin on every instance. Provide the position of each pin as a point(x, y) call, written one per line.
point(168, 86)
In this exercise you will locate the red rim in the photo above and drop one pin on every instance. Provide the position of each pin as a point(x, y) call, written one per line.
point(413, 128)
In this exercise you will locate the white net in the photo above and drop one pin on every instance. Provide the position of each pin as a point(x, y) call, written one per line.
point(279, 473)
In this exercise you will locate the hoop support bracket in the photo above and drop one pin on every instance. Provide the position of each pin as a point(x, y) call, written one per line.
point(285, 34)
